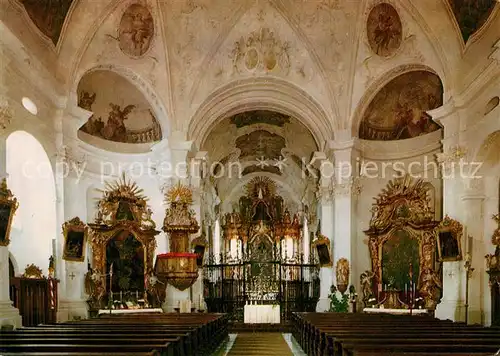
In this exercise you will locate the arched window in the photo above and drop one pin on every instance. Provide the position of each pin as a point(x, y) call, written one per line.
point(31, 179)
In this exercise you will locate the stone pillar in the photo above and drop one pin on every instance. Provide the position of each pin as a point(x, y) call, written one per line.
point(325, 197)
point(73, 305)
point(217, 240)
point(452, 305)
point(346, 189)
point(452, 301)
point(71, 201)
point(8, 314)
point(478, 283)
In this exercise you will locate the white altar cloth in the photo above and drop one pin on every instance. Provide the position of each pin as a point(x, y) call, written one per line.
point(262, 314)
point(130, 311)
point(395, 311)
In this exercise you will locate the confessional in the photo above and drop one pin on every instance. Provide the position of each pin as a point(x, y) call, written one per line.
point(35, 296)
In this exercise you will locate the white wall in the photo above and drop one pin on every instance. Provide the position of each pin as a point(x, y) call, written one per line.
point(31, 180)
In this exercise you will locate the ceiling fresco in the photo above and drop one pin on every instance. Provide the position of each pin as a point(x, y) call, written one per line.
point(120, 111)
point(260, 117)
point(384, 30)
point(398, 110)
point(260, 144)
point(48, 15)
point(471, 15)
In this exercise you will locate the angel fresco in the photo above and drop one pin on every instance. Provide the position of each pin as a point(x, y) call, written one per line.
point(115, 129)
point(384, 30)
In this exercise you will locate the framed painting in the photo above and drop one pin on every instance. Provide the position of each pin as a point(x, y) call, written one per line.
point(322, 245)
point(75, 237)
point(449, 234)
point(199, 245)
point(8, 207)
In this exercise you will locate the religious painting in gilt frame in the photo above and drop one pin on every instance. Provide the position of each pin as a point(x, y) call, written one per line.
point(8, 207)
point(322, 245)
point(199, 247)
point(449, 235)
point(75, 237)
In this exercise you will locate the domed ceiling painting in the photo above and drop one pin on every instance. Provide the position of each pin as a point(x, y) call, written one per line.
point(120, 111)
point(398, 110)
point(48, 15)
point(471, 15)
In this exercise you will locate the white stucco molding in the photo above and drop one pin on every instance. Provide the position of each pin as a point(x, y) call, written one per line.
point(269, 93)
point(400, 149)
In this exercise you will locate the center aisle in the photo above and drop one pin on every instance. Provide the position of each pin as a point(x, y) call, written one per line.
point(263, 344)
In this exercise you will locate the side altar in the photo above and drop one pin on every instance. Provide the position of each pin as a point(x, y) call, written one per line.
point(402, 239)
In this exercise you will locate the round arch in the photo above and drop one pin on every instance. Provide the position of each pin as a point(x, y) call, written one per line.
point(31, 179)
point(136, 80)
point(377, 85)
point(260, 94)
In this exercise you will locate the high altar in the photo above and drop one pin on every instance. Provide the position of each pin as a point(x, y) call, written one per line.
point(264, 273)
point(402, 242)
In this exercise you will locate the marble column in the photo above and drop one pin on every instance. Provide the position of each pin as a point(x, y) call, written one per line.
point(346, 189)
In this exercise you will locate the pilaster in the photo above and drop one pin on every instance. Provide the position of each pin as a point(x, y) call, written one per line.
point(346, 191)
point(472, 205)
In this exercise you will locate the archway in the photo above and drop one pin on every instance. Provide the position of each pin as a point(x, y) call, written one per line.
point(31, 179)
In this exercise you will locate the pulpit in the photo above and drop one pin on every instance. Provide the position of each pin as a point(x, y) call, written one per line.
point(493, 265)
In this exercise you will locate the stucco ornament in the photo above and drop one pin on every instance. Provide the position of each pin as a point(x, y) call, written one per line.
point(261, 51)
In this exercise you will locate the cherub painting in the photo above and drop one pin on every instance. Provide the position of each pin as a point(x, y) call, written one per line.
point(384, 30)
point(136, 30)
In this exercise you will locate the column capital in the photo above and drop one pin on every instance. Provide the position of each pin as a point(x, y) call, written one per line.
point(348, 187)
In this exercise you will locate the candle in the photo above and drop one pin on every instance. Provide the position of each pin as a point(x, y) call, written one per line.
point(121, 296)
point(136, 294)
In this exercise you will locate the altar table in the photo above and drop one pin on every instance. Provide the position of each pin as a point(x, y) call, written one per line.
point(130, 311)
point(262, 314)
point(395, 311)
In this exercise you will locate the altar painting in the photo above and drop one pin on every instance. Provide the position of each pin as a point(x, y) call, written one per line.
point(397, 253)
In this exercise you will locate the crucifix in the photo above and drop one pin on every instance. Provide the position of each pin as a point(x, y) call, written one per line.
point(71, 275)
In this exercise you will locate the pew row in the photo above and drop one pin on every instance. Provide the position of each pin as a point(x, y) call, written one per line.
point(152, 334)
point(344, 334)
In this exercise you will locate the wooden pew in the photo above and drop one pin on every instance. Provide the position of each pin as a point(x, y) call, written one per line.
point(363, 334)
point(153, 334)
